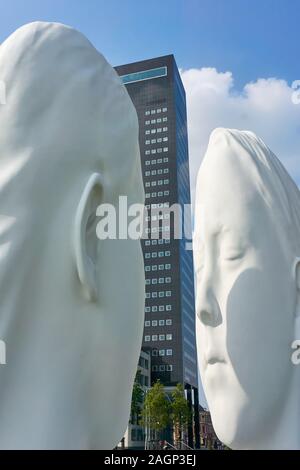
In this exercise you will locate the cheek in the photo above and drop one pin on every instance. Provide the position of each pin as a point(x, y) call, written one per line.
point(259, 325)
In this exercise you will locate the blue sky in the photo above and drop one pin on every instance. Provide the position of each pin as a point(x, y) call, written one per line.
point(251, 38)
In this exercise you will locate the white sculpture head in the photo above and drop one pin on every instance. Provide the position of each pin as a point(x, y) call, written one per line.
point(247, 244)
point(72, 306)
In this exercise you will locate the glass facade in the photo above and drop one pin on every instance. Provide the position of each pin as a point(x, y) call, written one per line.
point(145, 75)
point(157, 92)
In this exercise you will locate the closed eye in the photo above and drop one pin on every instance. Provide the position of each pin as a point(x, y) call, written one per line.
point(234, 256)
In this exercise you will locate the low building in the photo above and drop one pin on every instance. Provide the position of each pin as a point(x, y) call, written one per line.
point(208, 437)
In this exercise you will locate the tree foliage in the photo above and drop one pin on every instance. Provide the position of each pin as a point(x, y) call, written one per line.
point(156, 410)
point(181, 414)
point(137, 396)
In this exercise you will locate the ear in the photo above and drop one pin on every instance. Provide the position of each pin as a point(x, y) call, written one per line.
point(85, 237)
point(296, 272)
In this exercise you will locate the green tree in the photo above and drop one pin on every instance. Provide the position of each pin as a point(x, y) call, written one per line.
point(156, 409)
point(181, 414)
point(137, 397)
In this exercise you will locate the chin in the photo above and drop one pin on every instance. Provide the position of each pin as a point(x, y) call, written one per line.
point(225, 417)
point(230, 422)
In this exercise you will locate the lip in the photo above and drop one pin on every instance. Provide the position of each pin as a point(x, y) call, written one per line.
point(214, 360)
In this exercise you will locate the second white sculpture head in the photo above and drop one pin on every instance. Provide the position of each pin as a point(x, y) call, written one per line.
point(247, 244)
point(72, 306)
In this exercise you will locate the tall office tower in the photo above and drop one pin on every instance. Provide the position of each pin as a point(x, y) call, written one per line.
point(157, 92)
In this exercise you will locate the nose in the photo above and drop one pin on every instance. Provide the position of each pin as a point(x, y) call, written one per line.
point(208, 310)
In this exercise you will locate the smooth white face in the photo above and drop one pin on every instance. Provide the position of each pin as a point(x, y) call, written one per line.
point(245, 298)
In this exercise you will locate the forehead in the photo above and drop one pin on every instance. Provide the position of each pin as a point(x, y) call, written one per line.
point(227, 196)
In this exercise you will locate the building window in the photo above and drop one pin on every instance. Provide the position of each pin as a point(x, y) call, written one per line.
point(154, 352)
point(169, 352)
point(154, 337)
point(154, 322)
point(161, 322)
point(147, 113)
point(161, 368)
point(162, 352)
point(154, 368)
point(169, 367)
point(164, 110)
point(162, 337)
point(147, 338)
point(168, 322)
point(147, 123)
point(147, 323)
point(169, 337)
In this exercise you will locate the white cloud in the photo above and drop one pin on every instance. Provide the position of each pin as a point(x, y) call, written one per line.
point(264, 106)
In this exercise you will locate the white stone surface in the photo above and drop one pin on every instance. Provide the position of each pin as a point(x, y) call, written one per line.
point(71, 310)
point(247, 248)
